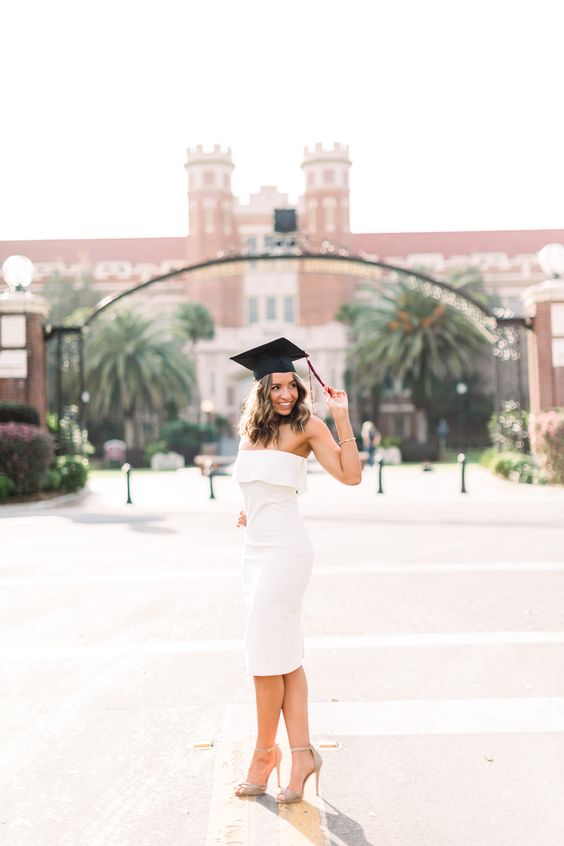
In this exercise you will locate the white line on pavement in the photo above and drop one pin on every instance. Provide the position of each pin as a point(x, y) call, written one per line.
point(321, 570)
point(425, 639)
point(507, 715)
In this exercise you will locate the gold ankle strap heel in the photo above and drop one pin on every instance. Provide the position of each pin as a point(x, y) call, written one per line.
point(289, 795)
point(247, 788)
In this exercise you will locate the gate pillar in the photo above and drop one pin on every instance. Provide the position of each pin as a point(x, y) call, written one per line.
point(544, 304)
point(22, 350)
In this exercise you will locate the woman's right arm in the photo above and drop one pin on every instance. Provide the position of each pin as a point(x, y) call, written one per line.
point(341, 461)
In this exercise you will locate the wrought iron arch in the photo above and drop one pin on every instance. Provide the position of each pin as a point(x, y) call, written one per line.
point(501, 327)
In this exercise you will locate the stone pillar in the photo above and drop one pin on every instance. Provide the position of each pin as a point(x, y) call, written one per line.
point(22, 350)
point(544, 304)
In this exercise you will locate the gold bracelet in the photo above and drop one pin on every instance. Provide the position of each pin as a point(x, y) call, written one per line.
point(345, 440)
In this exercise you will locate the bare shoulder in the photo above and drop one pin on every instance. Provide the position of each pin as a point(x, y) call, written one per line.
point(315, 427)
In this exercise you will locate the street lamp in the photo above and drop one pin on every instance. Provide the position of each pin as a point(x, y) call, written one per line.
point(18, 273)
point(462, 390)
point(207, 407)
point(551, 259)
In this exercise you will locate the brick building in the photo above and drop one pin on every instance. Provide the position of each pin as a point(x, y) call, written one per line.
point(263, 300)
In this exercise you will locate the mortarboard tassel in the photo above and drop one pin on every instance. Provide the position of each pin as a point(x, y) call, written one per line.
point(315, 373)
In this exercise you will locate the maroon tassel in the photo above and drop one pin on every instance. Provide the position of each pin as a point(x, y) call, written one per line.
point(315, 373)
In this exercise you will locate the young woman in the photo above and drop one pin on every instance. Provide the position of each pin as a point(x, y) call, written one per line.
point(278, 433)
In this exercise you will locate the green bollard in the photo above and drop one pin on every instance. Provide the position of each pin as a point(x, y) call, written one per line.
point(462, 462)
point(380, 463)
point(210, 470)
point(126, 468)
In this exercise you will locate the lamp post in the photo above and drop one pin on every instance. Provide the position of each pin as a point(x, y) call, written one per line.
point(462, 390)
point(18, 273)
point(207, 407)
point(551, 260)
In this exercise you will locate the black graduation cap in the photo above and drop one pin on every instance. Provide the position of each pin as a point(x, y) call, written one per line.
point(276, 356)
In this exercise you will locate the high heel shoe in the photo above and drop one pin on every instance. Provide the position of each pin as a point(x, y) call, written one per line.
point(293, 795)
point(250, 789)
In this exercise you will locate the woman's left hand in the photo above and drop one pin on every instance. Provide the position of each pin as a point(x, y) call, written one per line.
point(337, 401)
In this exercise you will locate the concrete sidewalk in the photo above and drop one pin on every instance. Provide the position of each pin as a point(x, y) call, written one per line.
point(434, 630)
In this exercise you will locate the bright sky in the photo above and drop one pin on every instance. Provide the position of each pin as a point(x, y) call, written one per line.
point(452, 110)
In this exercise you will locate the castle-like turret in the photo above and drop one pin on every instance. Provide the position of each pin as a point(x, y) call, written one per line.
point(326, 197)
point(210, 201)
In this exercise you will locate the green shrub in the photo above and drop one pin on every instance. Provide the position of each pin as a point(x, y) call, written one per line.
point(547, 442)
point(17, 412)
point(390, 441)
point(518, 467)
point(25, 454)
point(488, 457)
point(185, 438)
point(73, 470)
point(509, 429)
point(7, 487)
point(52, 480)
point(151, 449)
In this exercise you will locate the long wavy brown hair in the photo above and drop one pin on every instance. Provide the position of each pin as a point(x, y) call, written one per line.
point(260, 423)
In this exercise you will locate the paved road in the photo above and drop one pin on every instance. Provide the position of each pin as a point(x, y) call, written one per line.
point(434, 650)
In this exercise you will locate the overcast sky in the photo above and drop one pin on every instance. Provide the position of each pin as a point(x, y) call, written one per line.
point(452, 110)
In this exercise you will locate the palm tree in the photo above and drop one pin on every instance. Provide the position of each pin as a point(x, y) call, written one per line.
point(194, 323)
point(130, 367)
point(411, 338)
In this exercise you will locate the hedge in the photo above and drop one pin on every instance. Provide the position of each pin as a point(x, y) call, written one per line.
point(6, 487)
point(17, 412)
point(547, 442)
point(26, 452)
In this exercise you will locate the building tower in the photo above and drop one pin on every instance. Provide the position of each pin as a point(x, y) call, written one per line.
point(210, 202)
point(325, 215)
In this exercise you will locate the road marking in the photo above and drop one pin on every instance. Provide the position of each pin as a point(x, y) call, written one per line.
point(321, 570)
point(508, 715)
point(421, 639)
point(231, 819)
point(302, 823)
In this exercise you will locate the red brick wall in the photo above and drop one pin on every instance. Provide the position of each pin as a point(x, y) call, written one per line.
point(542, 328)
point(320, 296)
point(33, 389)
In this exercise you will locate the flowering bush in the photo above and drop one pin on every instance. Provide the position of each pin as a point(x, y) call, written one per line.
point(26, 452)
point(547, 442)
point(73, 470)
point(517, 467)
point(509, 429)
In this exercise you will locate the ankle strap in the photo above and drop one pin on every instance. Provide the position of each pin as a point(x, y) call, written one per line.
point(266, 748)
point(301, 748)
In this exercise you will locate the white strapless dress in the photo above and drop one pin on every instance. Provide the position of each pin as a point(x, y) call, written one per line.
point(277, 558)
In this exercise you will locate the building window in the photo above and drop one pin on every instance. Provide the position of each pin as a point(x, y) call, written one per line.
point(328, 176)
point(399, 425)
point(311, 215)
point(212, 382)
point(251, 245)
point(271, 308)
point(252, 310)
point(226, 218)
point(330, 217)
point(289, 314)
point(209, 210)
point(230, 395)
point(209, 178)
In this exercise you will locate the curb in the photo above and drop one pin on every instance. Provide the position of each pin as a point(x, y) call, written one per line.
point(23, 507)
